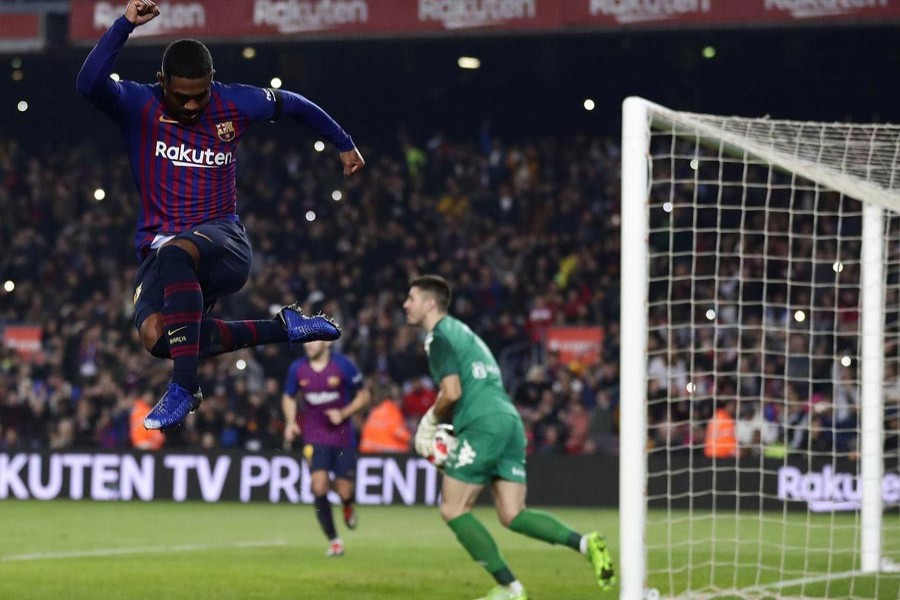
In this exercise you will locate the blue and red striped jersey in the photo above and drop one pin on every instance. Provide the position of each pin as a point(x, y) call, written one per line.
point(335, 386)
point(185, 174)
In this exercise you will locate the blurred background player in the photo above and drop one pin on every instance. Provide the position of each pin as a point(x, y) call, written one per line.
point(331, 389)
point(490, 444)
point(182, 134)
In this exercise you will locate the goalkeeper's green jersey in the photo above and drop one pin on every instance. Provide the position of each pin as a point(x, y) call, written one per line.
point(454, 349)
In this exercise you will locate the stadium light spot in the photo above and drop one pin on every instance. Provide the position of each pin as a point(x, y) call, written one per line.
point(9, 285)
point(691, 387)
point(695, 164)
point(99, 194)
point(336, 195)
point(667, 206)
point(837, 267)
point(846, 361)
point(310, 216)
point(241, 364)
point(319, 145)
point(468, 62)
point(276, 83)
point(709, 52)
point(17, 75)
point(710, 315)
point(115, 77)
point(249, 52)
point(589, 104)
point(16, 63)
point(799, 316)
point(22, 106)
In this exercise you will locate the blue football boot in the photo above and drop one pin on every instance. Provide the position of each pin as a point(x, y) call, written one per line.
point(302, 329)
point(172, 408)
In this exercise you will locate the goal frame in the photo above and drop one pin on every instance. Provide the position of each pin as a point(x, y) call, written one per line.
point(638, 117)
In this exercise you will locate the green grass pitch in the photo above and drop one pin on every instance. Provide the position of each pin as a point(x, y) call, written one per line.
point(195, 551)
point(66, 550)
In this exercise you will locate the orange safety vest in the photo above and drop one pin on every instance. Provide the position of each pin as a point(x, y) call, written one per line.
point(145, 439)
point(385, 430)
point(721, 441)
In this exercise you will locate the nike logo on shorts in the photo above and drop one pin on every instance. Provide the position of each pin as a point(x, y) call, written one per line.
point(174, 331)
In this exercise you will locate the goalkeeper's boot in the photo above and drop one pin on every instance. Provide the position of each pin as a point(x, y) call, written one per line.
point(601, 559)
point(335, 548)
point(350, 516)
point(302, 329)
point(172, 408)
point(502, 592)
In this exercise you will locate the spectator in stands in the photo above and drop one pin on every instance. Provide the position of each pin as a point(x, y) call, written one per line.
point(720, 440)
point(385, 429)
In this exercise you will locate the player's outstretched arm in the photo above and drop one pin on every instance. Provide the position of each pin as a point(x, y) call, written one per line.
point(93, 80)
point(318, 120)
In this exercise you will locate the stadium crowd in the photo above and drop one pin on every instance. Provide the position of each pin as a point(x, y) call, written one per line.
point(528, 233)
point(525, 232)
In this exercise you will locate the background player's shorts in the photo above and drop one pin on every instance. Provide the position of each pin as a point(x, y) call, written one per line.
point(225, 260)
point(340, 461)
point(487, 449)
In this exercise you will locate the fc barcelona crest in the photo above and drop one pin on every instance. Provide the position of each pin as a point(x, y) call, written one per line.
point(334, 381)
point(225, 131)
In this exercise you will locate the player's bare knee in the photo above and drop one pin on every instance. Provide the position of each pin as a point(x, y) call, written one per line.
point(507, 516)
point(450, 512)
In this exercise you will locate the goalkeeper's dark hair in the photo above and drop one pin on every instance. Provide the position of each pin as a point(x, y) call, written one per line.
point(186, 58)
point(437, 286)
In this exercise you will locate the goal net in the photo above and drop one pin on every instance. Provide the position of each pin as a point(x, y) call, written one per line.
point(760, 357)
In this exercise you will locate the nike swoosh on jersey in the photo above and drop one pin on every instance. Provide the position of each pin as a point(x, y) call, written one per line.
point(163, 119)
point(174, 331)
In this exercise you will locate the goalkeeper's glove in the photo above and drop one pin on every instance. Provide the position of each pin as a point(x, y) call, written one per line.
point(425, 433)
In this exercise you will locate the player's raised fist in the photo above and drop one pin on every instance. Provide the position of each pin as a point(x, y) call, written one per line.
point(141, 11)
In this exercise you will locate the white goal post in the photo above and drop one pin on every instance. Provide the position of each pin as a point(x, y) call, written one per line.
point(759, 357)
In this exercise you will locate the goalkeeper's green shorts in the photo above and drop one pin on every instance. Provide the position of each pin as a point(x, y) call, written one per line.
point(488, 449)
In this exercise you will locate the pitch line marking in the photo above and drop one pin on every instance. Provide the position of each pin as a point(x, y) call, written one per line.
point(99, 552)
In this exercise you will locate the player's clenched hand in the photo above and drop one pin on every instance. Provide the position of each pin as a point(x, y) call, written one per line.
point(141, 11)
point(425, 433)
point(352, 161)
point(334, 415)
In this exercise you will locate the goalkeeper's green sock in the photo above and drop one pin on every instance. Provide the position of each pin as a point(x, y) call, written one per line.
point(481, 547)
point(546, 527)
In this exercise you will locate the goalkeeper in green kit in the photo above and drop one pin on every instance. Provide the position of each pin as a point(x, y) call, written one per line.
point(490, 444)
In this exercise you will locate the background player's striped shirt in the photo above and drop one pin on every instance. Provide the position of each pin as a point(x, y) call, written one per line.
point(185, 174)
point(335, 386)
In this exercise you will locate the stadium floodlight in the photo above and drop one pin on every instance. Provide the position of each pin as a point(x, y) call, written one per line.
point(792, 231)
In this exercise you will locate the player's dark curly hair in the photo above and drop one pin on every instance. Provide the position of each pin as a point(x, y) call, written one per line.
point(437, 286)
point(190, 59)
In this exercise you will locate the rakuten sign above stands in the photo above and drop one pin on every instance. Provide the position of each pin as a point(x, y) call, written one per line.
point(227, 19)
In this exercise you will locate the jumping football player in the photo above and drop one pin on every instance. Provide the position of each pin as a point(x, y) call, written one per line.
point(181, 135)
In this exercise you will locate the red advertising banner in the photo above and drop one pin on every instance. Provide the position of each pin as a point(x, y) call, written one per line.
point(20, 31)
point(228, 19)
point(581, 344)
point(246, 19)
point(638, 13)
point(23, 339)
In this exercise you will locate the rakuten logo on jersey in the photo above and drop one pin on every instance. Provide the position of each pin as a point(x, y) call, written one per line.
point(458, 14)
point(829, 491)
point(173, 16)
point(811, 9)
point(321, 397)
point(636, 11)
point(183, 156)
point(293, 16)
